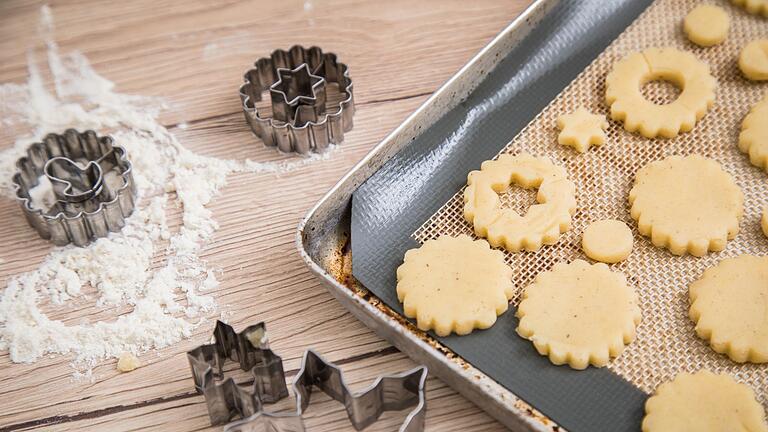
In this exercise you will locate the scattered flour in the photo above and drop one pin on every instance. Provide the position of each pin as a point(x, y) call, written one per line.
point(165, 303)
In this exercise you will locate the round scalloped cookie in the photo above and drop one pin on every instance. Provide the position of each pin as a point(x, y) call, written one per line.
point(686, 204)
point(579, 314)
point(757, 7)
point(706, 25)
point(753, 60)
point(623, 91)
point(454, 284)
point(542, 223)
point(703, 402)
point(729, 305)
point(753, 138)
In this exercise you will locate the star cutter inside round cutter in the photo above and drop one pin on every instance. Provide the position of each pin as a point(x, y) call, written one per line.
point(299, 124)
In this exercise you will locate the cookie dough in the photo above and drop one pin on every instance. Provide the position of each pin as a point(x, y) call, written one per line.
point(580, 129)
point(757, 7)
point(703, 402)
point(753, 138)
point(686, 204)
point(764, 221)
point(543, 222)
point(127, 362)
point(729, 305)
point(579, 314)
point(623, 91)
point(608, 241)
point(454, 284)
point(753, 60)
point(706, 25)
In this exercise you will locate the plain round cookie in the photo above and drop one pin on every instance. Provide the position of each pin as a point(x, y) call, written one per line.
point(753, 60)
point(608, 241)
point(729, 305)
point(624, 96)
point(753, 138)
point(503, 227)
point(579, 314)
point(686, 204)
point(703, 402)
point(706, 25)
point(454, 284)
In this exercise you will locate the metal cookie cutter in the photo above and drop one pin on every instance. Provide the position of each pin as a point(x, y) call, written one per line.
point(225, 401)
point(297, 81)
point(92, 184)
point(250, 348)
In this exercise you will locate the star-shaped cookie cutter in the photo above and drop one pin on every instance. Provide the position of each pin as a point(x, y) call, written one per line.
point(317, 127)
point(298, 96)
point(91, 182)
point(226, 400)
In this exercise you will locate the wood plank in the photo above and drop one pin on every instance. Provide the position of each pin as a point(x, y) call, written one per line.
point(192, 54)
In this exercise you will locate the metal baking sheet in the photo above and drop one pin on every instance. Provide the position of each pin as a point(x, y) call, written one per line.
point(422, 164)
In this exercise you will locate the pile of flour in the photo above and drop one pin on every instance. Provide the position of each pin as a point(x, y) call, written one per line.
point(167, 302)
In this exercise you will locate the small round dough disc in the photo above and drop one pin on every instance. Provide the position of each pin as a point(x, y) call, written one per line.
point(579, 314)
point(729, 305)
point(706, 25)
point(608, 241)
point(703, 402)
point(753, 60)
point(686, 204)
point(454, 284)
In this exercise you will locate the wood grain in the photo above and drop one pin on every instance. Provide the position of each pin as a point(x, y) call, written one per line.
point(192, 54)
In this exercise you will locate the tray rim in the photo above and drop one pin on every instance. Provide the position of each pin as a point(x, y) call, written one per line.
point(482, 390)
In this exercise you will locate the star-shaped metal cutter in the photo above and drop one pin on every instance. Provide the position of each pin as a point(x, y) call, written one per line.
point(226, 400)
point(298, 96)
point(312, 135)
point(87, 206)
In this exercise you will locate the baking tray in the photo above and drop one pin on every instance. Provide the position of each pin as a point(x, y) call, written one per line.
point(526, 66)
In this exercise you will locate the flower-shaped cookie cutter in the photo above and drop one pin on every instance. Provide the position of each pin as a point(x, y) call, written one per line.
point(91, 182)
point(297, 81)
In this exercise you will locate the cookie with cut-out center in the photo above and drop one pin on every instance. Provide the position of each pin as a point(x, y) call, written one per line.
point(703, 402)
point(686, 204)
point(579, 314)
point(729, 305)
point(454, 284)
point(757, 7)
point(692, 76)
point(542, 223)
point(581, 129)
point(753, 139)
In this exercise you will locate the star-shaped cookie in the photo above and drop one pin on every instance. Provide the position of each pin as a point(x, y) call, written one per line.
point(580, 129)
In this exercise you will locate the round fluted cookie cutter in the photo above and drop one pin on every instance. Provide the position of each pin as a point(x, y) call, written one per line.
point(88, 203)
point(301, 120)
point(691, 75)
point(542, 224)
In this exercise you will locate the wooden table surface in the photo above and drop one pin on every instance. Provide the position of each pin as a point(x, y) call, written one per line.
point(192, 54)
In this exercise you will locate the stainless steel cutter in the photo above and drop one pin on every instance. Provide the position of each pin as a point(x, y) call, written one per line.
point(91, 181)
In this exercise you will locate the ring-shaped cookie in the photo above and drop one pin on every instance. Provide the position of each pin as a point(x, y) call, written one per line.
point(543, 222)
point(624, 83)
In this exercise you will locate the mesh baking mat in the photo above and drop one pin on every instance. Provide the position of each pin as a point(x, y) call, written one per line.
point(666, 342)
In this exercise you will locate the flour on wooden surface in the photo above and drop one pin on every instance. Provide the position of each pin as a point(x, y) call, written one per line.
point(166, 301)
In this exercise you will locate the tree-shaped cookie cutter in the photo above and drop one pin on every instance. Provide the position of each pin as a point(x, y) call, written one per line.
point(91, 181)
point(301, 121)
point(226, 400)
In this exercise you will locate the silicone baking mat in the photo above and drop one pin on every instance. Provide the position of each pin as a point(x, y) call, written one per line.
point(405, 190)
